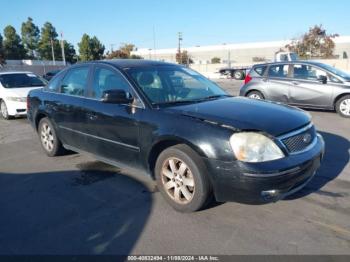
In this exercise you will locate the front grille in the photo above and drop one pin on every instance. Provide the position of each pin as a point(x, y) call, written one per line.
point(300, 141)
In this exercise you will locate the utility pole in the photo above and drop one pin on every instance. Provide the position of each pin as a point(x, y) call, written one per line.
point(154, 43)
point(53, 53)
point(179, 50)
point(62, 48)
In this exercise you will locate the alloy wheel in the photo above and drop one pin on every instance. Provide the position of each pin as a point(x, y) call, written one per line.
point(177, 180)
point(254, 96)
point(344, 107)
point(47, 138)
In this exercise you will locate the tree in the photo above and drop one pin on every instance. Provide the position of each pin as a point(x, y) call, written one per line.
point(70, 53)
point(97, 48)
point(90, 48)
point(315, 43)
point(215, 60)
point(13, 48)
point(123, 52)
point(258, 59)
point(30, 37)
point(48, 38)
point(183, 58)
point(2, 55)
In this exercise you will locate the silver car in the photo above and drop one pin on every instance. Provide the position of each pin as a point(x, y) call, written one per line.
point(300, 83)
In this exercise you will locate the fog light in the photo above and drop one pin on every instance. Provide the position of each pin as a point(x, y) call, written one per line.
point(269, 194)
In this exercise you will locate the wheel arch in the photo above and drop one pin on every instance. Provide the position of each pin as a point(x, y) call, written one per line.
point(336, 99)
point(164, 143)
point(255, 90)
point(38, 117)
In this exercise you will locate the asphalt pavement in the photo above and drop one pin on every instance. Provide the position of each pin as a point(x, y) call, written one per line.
point(74, 204)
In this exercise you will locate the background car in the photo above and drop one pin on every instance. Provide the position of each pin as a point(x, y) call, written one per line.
point(14, 88)
point(300, 83)
point(50, 74)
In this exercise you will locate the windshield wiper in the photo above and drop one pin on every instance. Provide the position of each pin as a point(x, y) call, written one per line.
point(190, 100)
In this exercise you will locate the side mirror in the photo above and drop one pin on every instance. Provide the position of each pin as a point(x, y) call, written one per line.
point(117, 96)
point(322, 79)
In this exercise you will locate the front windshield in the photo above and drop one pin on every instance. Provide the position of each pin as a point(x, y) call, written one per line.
point(336, 71)
point(174, 84)
point(19, 80)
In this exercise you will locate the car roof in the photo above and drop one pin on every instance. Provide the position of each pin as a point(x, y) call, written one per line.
point(126, 63)
point(15, 72)
point(291, 62)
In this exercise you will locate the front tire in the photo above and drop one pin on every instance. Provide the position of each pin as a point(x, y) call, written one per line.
point(48, 138)
point(182, 178)
point(4, 111)
point(255, 95)
point(343, 106)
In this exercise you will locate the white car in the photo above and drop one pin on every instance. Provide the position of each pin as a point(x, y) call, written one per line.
point(14, 88)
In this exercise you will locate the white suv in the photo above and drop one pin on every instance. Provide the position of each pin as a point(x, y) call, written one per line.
point(14, 88)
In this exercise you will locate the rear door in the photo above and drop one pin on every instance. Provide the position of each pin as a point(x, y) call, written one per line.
point(306, 88)
point(279, 76)
point(113, 129)
point(68, 107)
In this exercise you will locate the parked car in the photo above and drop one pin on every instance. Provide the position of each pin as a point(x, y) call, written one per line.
point(300, 83)
point(50, 74)
point(180, 128)
point(14, 88)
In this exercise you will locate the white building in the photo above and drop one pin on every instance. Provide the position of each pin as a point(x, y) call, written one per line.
point(235, 53)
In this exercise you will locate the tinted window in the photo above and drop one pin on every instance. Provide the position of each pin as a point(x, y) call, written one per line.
point(278, 71)
point(75, 81)
point(107, 79)
point(307, 72)
point(260, 70)
point(21, 80)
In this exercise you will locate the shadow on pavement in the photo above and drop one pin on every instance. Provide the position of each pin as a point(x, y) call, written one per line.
point(71, 212)
point(335, 159)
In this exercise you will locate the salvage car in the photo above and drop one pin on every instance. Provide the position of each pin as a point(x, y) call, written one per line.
point(14, 88)
point(305, 84)
point(170, 122)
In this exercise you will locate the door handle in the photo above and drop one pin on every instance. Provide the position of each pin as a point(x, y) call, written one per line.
point(91, 116)
point(295, 83)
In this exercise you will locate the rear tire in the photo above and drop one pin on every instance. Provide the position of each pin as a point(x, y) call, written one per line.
point(182, 178)
point(48, 138)
point(238, 75)
point(343, 106)
point(4, 111)
point(255, 95)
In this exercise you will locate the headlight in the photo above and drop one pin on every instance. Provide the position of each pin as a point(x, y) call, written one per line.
point(16, 99)
point(254, 147)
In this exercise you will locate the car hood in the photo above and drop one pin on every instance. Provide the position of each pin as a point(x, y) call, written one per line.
point(20, 92)
point(247, 114)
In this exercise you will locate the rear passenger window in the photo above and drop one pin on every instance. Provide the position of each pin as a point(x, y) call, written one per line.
point(260, 70)
point(278, 71)
point(75, 81)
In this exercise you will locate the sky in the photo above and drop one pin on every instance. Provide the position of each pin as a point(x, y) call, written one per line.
point(149, 23)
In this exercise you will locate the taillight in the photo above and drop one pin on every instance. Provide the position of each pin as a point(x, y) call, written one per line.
point(247, 79)
point(28, 103)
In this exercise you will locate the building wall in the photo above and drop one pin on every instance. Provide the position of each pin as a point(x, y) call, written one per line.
point(235, 53)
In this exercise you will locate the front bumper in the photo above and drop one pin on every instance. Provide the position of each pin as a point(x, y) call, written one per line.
point(256, 183)
point(15, 108)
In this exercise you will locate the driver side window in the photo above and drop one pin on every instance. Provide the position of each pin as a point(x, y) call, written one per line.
point(107, 79)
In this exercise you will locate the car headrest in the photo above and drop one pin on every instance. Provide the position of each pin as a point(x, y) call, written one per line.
point(146, 79)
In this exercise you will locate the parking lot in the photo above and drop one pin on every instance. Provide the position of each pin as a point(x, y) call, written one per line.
point(74, 204)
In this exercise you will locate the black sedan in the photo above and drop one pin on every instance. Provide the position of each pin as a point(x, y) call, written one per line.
point(183, 130)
